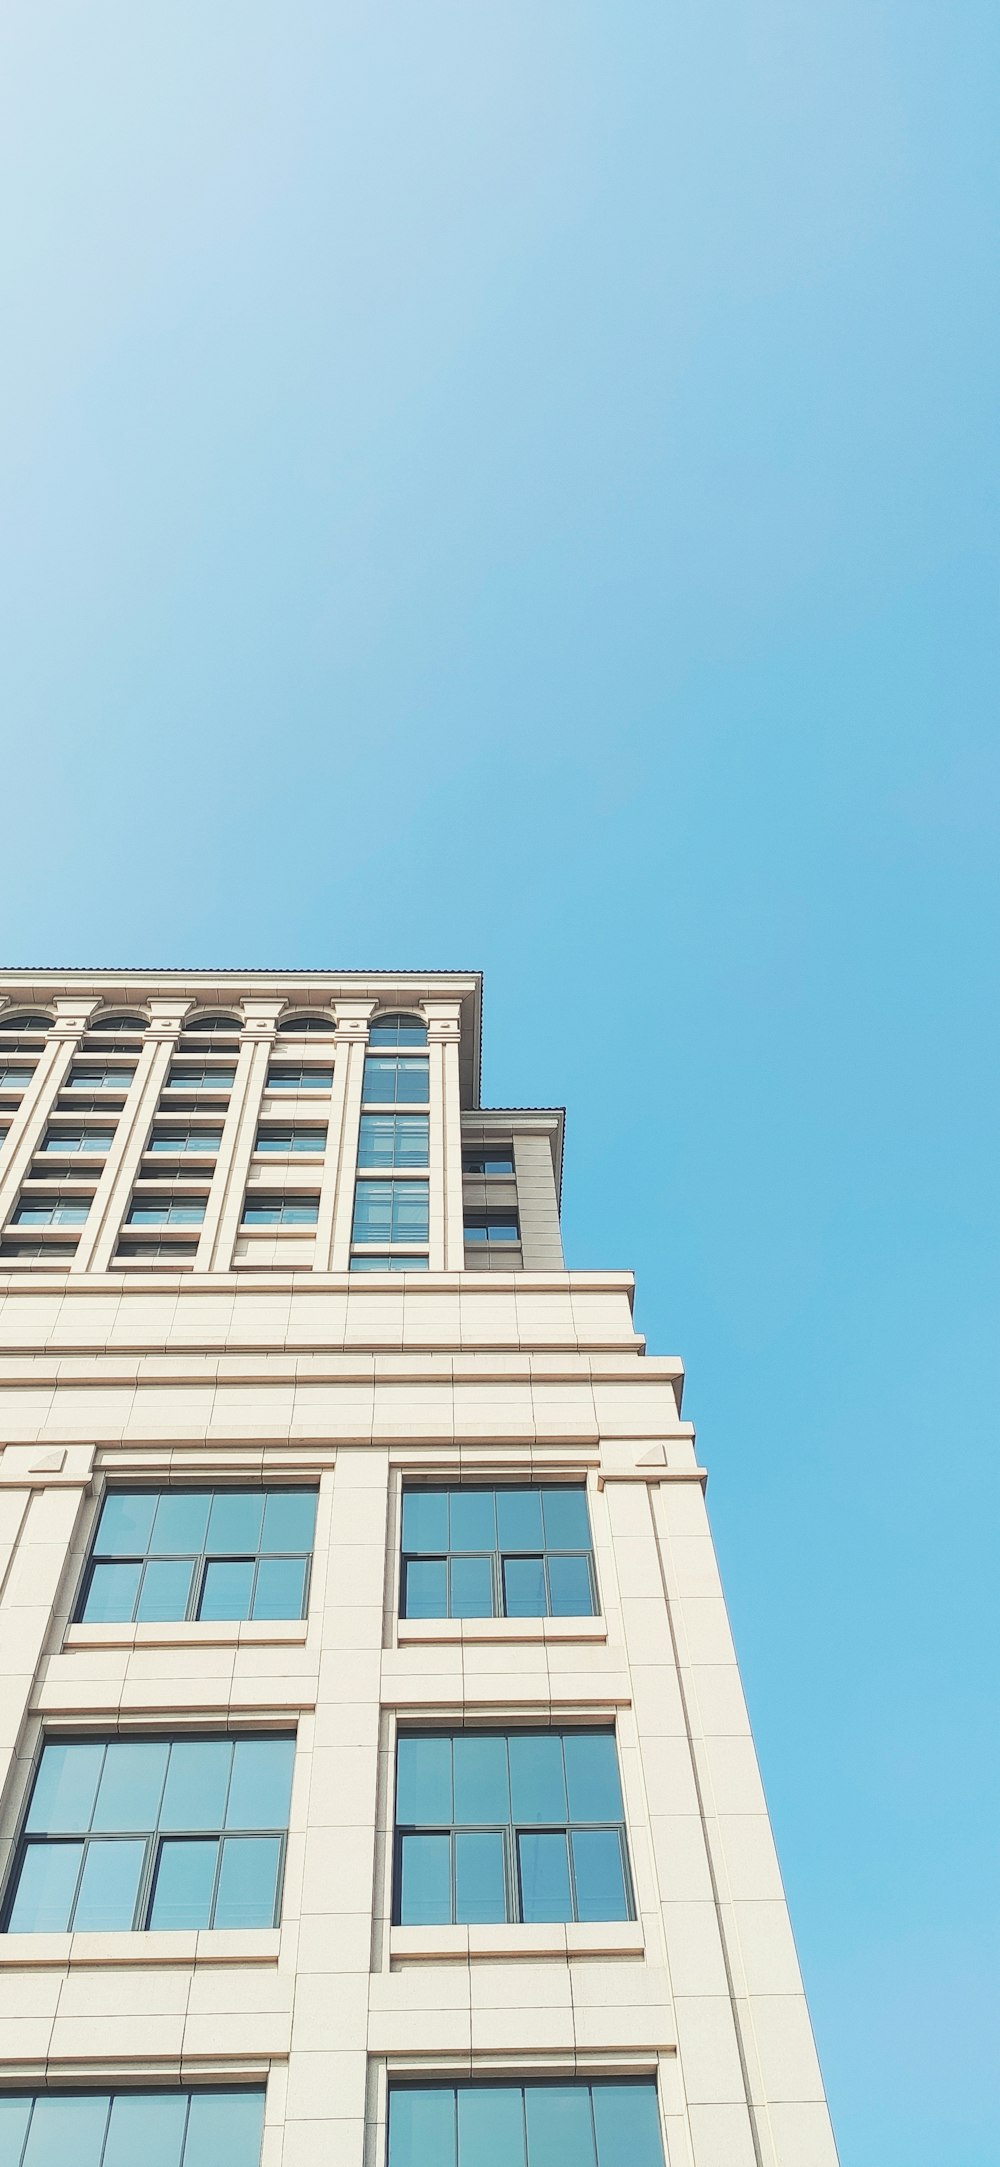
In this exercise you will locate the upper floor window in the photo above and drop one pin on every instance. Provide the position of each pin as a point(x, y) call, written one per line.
point(391, 1211)
point(297, 1076)
point(165, 1555)
point(118, 2129)
point(492, 1226)
point(28, 1023)
point(151, 1210)
point(556, 2123)
point(63, 1141)
point(125, 1021)
point(291, 1210)
point(488, 1159)
point(220, 1021)
point(14, 1078)
point(42, 1251)
point(133, 1835)
point(307, 1026)
point(497, 1553)
point(515, 1826)
point(52, 1210)
point(287, 1142)
point(397, 1030)
point(396, 1081)
point(176, 1143)
point(199, 1077)
point(393, 1140)
point(99, 1076)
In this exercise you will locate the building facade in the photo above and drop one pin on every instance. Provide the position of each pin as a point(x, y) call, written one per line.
point(377, 1784)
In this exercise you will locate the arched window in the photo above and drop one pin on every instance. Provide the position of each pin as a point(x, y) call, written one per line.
point(209, 1020)
point(126, 1020)
point(307, 1026)
point(396, 1030)
point(28, 1019)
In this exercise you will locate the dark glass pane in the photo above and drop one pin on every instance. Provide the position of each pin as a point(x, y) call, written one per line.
point(560, 2128)
point(197, 1783)
point(599, 1873)
point(380, 1082)
point(524, 1587)
point(519, 1519)
point(248, 1883)
point(425, 1588)
point(425, 1881)
point(482, 1791)
point(425, 1520)
point(567, 1521)
point(65, 1787)
point(234, 1522)
point(422, 2127)
point(570, 1587)
point(388, 1031)
point(280, 1590)
point(45, 1888)
point(472, 1587)
point(543, 1869)
point(111, 1594)
point(146, 2129)
point(592, 1776)
point(224, 2129)
point(473, 1520)
point(628, 2125)
point(538, 1793)
point(67, 2130)
point(109, 1887)
point(185, 1878)
point(181, 1522)
point(126, 1523)
point(262, 1783)
point(289, 1520)
point(166, 1586)
point(423, 1782)
point(480, 1881)
point(491, 2126)
point(131, 1785)
point(227, 1589)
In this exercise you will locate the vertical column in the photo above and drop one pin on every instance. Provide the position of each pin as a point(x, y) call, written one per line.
point(97, 1240)
point(447, 1245)
point(38, 1513)
point(336, 1204)
point(239, 1134)
point(28, 1124)
point(537, 1204)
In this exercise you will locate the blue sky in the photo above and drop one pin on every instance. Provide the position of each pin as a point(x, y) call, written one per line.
point(515, 485)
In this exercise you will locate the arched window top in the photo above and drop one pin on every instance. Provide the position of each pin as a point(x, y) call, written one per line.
point(209, 1019)
point(119, 1019)
point(26, 1019)
point(309, 1025)
point(397, 1030)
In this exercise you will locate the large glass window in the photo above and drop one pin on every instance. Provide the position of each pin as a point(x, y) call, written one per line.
point(396, 1080)
point(14, 1079)
point(125, 1022)
point(298, 1076)
point(199, 1076)
point(125, 1835)
point(52, 1210)
point(606, 2124)
point(99, 1077)
point(63, 1141)
point(397, 1031)
point(209, 2128)
point(166, 1211)
point(523, 1826)
point(497, 1553)
point(393, 1140)
point(174, 1143)
point(396, 1262)
point(286, 1142)
point(499, 1226)
point(33, 1020)
point(488, 1159)
point(311, 1026)
point(172, 1554)
point(391, 1211)
point(291, 1210)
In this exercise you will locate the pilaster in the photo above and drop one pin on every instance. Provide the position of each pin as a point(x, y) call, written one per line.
point(447, 1225)
point(336, 1204)
point(28, 1124)
point(97, 1239)
point(239, 1135)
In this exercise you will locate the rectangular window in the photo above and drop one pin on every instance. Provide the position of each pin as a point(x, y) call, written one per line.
point(51, 1252)
point(173, 1554)
point(100, 1078)
point(122, 2129)
point(173, 1250)
point(173, 1143)
point(391, 1211)
point(166, 1211)
point(492, 1226)
point(393, 1140)
point(199, 1076)
point(516, 1826)
point(498, 1553)
point(488, 1159)
point(128, 1835)
point(396, 1263)
point(292, 1210)
point(285, 1142)
point(298, 1076)
point(14, 1079)
point(52, 1210)
point(396, 1080)
point(610, 2123)
point(64, 1141)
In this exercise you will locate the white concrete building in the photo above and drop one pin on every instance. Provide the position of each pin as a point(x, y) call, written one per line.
point(377, 1785)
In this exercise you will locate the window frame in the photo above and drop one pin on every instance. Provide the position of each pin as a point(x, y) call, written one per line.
point(200, 1559)
point(498, 1557)
point(146, 2091)
point(627, 2079)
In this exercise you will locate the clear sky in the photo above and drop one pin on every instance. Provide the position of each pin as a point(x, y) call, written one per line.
point(513, 483)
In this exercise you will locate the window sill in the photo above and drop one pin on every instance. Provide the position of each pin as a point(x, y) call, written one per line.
point(422, 1630)
point(180, 1633)
point(462, 1944)
point(60, 1952)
